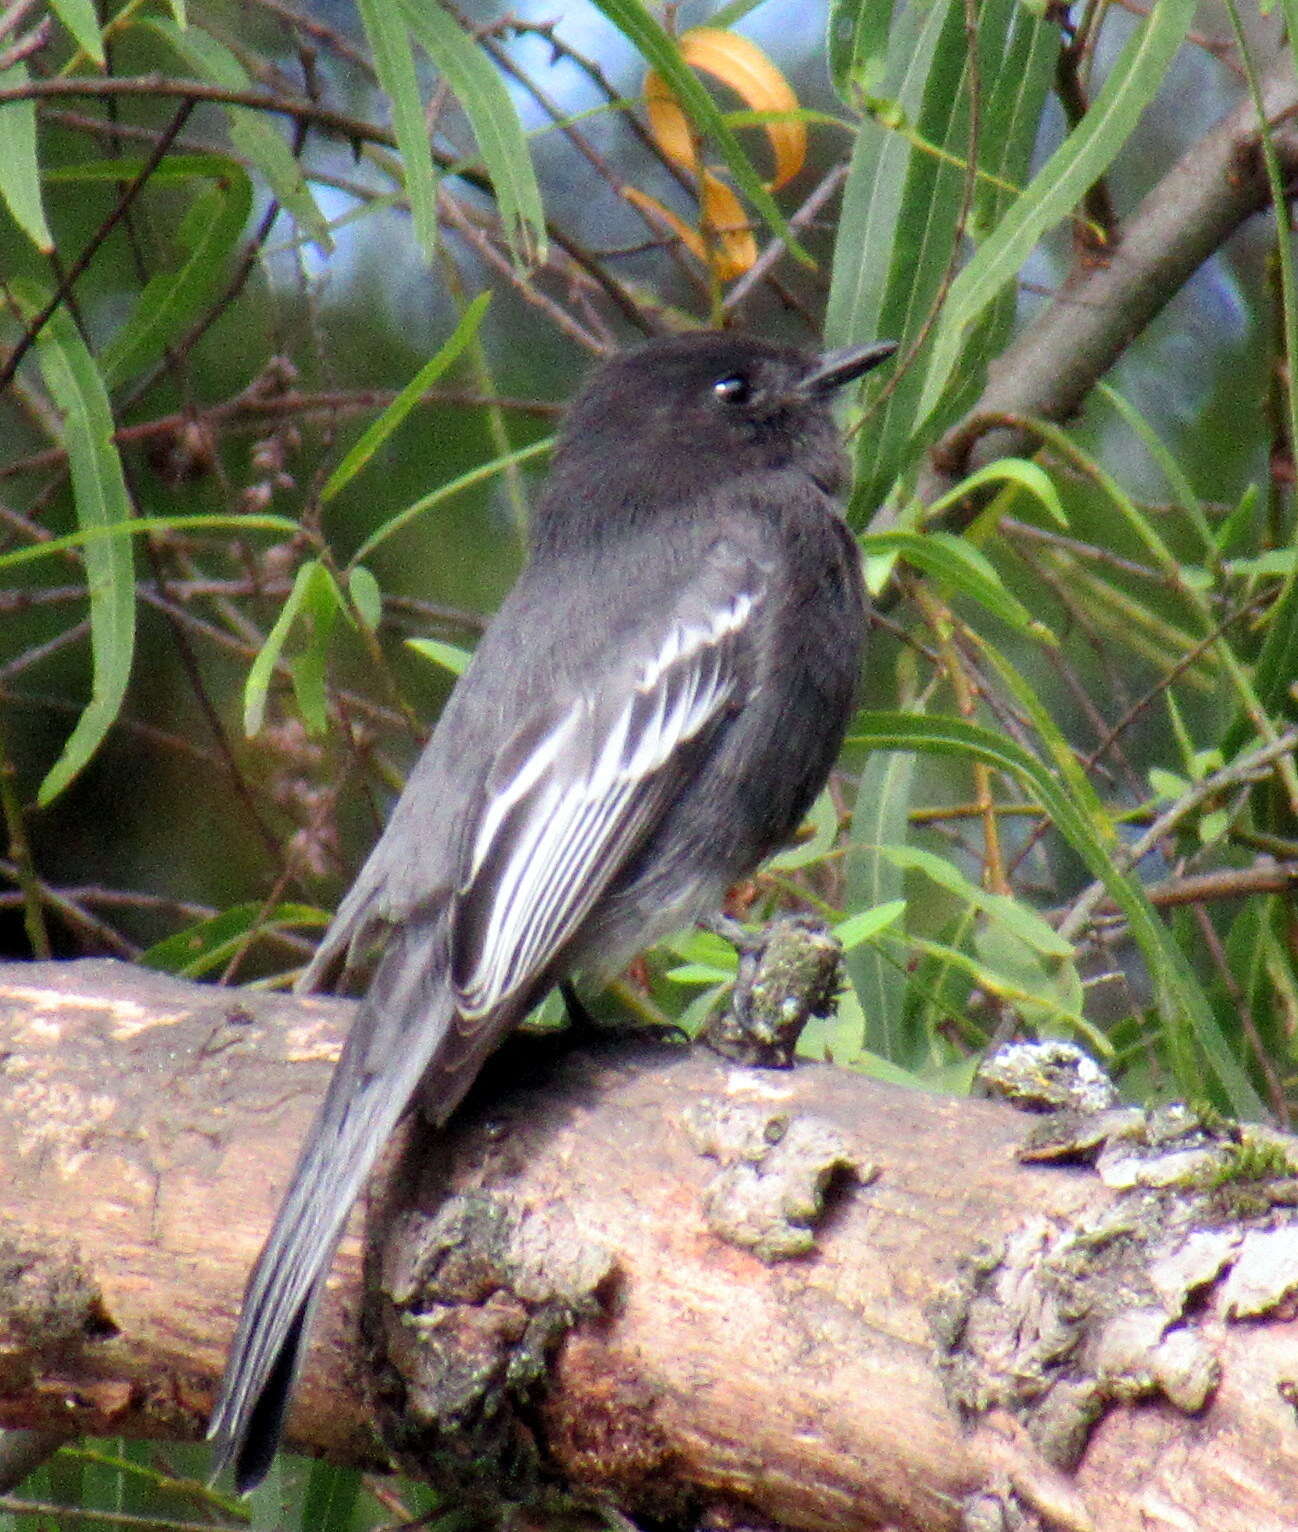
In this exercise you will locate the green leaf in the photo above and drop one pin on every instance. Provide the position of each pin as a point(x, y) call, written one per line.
point(1025, 990)
point(449, 656)
point(1017, 472)
point(379, 429)
point(20, 176)
point(824, 822)
point(394, 62)
point(171, 301)
point(1181, 1000)
point(251, 132)
point(699, 973)
point(659, 50)
point(705, 948)
point(366, 596)
point(330, 1498)
point(316, 596)
point(1132, 82)
point(1178, 481)
point(898, 234)
point(79, 17)
point(1276, 665)
point(321, 605)
point(261, 521)
point(1025, 923)
point(1213, 826)
point(867, 924)
point(1275, 561)
point(446, 492)
point(1061, 753)
point(1236, 528)
point(481, 92)
point(100, 495)
point(1051, 986)
point(856, 43)
point(207, 944)
point(891, 190)
point(879, 818)
point(963, 568)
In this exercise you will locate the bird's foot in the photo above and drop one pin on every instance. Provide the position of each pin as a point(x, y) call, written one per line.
point(789, 971)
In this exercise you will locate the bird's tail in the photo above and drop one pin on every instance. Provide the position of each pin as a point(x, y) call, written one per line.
point(404, 1022)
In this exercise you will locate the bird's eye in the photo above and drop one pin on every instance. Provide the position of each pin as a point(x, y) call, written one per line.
point(732, 389)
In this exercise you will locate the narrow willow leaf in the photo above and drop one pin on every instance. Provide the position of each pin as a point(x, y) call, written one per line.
point(881, 226)
point(330, 1497)
point(449, 656)
point(394, 61)
point(1010, 987)
point(79, 17)
point(20, 176)
point(961, 567)
point(1016, 471)
point(703, 947)
point(138, 525)
point(823, 819)
point(1080, 160)
point(321, 605)
point(866, 924)
point(1182, 1001)
point(659, 50)
point(1178, 481)
point(698, 973)
point(100, 495)
point(1237, 527)
point(880, 817)
point(366, 596)
point(446, 492)
point(479, 89)
point(1275, 667)
point(856, 43)
point(252, 133)
point(1054, 981)
point(384, 424)
point(171, 301)
point(1025, 923)
point(1052, 737)
point(205, 945)
point(313, 591)
point(897, 238)
point(1276, 561)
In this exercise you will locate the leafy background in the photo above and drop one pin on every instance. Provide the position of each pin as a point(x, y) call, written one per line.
point(299, 291)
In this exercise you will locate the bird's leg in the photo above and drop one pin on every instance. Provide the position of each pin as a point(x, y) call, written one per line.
point(579, 1018)
point(748, 945)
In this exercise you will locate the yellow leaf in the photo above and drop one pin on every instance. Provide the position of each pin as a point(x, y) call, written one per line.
point(733, 249)
point(740, 64)
point(725, 242)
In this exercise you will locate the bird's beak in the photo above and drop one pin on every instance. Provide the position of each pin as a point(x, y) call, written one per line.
point(834, 368)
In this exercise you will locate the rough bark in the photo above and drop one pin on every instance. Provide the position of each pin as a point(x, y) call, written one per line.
point(710, 1293)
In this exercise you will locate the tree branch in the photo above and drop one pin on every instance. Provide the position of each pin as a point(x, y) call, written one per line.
point(1051, 367)
point(622, 1276)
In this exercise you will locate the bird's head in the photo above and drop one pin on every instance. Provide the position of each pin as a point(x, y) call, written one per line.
point(676, 416)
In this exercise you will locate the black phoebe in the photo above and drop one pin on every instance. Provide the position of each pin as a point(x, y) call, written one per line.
point(652, 712)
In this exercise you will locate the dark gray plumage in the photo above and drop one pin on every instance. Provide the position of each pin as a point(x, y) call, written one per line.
point(651, 713)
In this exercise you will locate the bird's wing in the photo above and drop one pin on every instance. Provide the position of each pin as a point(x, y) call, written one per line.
point(575, 789)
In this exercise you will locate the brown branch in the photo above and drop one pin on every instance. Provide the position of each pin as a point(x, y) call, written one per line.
point(342, 124)
point(605, 1211)
point(64, 291)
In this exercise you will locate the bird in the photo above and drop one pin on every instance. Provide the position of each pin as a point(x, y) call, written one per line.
point(650, 714)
